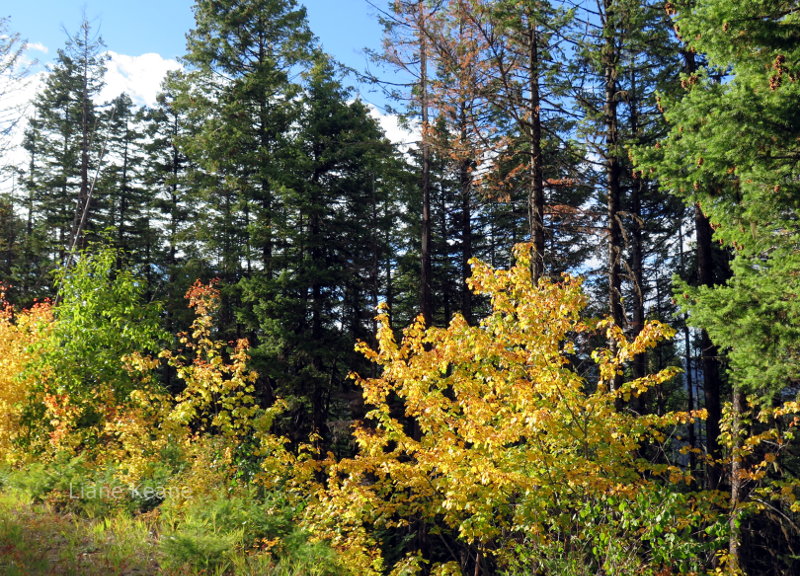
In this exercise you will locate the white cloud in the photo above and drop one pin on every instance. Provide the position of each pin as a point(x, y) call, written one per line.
point(395, 132)
point(139, 76)
point(37, 47)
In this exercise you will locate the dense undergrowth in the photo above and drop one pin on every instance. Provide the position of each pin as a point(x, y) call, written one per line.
point(45, 533)
point(486, 449)
point(105, 472)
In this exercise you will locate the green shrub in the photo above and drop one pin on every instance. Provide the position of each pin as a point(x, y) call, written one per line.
point(68, 483)
point(244, 531)
point(200, 548)
point(306, 558)
point(34, 481)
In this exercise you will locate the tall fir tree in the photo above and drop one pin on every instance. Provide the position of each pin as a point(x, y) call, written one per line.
point(178, 257)
point(238, 95)
point(327, 281)
point(622, 56)
point(14, 79)
point(407, 49)
point(125, 200)
point(64, 144)
point(730, 153)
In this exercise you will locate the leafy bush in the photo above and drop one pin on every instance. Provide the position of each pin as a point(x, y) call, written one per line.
point(655, 530)
point(21, 334)
point(33, 480)
point(69, 483)
point(106, 438)
point(490, 440)
point(78, 380)
point(200, 549)
point(214, 534)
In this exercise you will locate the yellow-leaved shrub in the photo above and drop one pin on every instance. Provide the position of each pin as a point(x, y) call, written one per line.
point(213, 427)
point(20, 332)
point(493, 444)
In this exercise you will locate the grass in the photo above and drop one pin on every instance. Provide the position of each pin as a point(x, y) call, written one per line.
point(36, 539)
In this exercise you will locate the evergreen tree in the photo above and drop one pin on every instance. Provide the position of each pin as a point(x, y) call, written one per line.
point(12, 230)
point(512, 82)
point(18, 266)
point(13, 79)
point(178, 256)
point(327, 280)
point(239, 96)
point(408, 50)
point(64, 144)
point(623, 55)
point(727, 151)
point(125, 200)
point(165, 173)
point(731, 152)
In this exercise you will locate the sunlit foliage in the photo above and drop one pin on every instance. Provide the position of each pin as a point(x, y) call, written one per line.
point(20, 332)
point(490, 441)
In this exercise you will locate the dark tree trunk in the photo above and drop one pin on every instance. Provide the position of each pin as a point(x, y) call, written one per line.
point(536, 198)
point(613, 173)
point(426, 294)
point(712, 380)
point(637, 249)
point(266, 223)
point(737, 484)
point(82, 210)
point(465, 184)
point(687, 342)
point(124, 189)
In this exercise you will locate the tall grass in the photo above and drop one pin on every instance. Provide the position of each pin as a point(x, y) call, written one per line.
point(238, 534)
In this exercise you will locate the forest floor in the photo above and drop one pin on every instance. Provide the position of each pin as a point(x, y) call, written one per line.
point(37, 541)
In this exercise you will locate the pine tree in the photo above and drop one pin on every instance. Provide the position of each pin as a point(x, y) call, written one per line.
point(13, 79)
point(17, 259)
point(125, 200)
point(623, 56)
point(12, 230)
point(518, 75)
point(238, 94)
point(63, 144)
point(408, 50)
point(165, 173)
point(166, 170)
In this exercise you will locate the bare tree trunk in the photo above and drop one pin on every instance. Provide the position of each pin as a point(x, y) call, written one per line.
point(638, 190)
point(536, 198)
point(734, 559)
point(426, 296)
point(465, 185)
point(689, 375)
point(82, 210)
point(613, 172)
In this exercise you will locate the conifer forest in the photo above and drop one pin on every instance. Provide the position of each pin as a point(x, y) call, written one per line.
point(553, 332)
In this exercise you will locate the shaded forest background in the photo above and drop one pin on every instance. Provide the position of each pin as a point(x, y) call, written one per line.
point(649, 148)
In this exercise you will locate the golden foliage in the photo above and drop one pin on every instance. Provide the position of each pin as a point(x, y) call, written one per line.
point(763, 440)
point(491, 431)
point(212, 418)
point(19, 334)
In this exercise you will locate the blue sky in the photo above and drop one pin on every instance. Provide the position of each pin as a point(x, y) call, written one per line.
point(145, 38)
point(131, 28)
point(137, 26)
